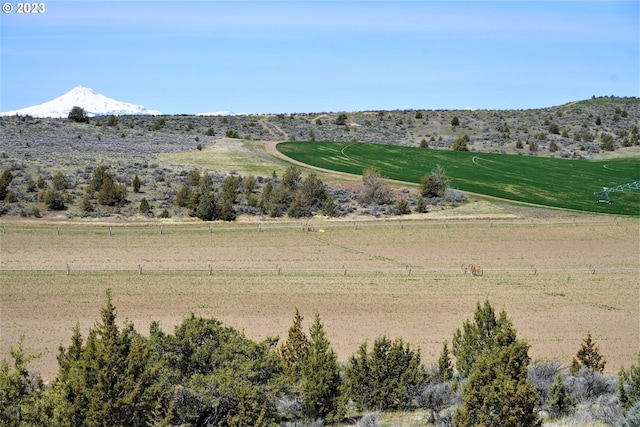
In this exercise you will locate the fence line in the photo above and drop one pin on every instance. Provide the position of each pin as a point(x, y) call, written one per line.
point(344, 270)
point(309, 226)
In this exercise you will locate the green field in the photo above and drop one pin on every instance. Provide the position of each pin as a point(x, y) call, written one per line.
point(562, 183)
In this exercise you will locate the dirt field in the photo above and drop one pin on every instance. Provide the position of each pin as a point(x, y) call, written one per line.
point(557, 278)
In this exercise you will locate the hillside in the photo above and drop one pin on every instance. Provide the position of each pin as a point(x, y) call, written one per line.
point(155, 148)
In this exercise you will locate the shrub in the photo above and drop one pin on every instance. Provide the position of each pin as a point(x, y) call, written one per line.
point(461, 144)
point(589, 357)
point(386, 378)
point(136, 184)
point(54, 200)
point(144, 206)
point(78, 115)
point(341, 120)
point(59, 182)
point(5, 180)
point(560, 402)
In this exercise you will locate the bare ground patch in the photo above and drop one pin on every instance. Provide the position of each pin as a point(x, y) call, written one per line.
point(557, 280)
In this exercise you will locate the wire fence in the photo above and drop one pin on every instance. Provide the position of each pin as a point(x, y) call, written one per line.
point(310, 226)
point(278, 270)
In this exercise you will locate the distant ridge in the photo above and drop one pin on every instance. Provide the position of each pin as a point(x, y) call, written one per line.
point(94, 104)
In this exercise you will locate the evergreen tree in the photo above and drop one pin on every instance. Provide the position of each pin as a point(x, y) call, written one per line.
point(78, 115)
point(136, 184)
point(321, 377)
point(144, 206)
point(207, 208)
point(478, 336)
point(499, 393)
point(59, 182)
point(5, 180)
point(385, 379)
point(560, 402)
point(588, 356)
point(629, 386)
point(445, 368)
point(295, 348)
point(104, 381)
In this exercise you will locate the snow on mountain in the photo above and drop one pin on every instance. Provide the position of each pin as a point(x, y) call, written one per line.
point(94, 104)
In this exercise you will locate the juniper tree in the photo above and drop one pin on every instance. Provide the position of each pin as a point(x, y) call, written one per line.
point(588, 356)
point(5, 180)
point(135, 184)
point(629, 385)
point(321, 377)
point(295, 348)
point(479, 335)
point(499, 393)
point(560, 402)
point(387, 378)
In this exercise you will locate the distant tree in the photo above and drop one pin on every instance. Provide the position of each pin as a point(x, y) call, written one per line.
point(606, 142)
point(461, 144)
point(598, 121)
point(78, 115)
point(403, 207)
point(341, 120)
point(424, 143)
point(330, 207)
point(321, 377)
point(5, 180)
point(455, 121)
point(373, 188)
point(194, 177)
point(164, 214)
point(54, 200)
point(207, 208)
point(313, 192)
point(421, 205)
point(210, 132)
point(136, 184)
point(554, 128)
point(299, 207)
point(144, 206)
point(589, 357)
point(40, 183)
point(59, 182)
point(111, 193)
point(227, 212)
point(249, 184)
point(112, 120)
point(435, 184)
point(291, 178)
point(87, 206)
point(184, 196)
point(386, 378)
point(418, 114)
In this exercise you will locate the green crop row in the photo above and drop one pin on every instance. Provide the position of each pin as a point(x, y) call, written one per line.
point(562, 183)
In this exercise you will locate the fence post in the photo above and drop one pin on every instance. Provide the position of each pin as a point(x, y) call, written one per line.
point(109, 231)
point(68, 269)
point(278, 269)
point(139, 269)
point(259, 227)
point(160, 229)
point(344, 270)
point(401, 225)
point(210, 270)
point(446, 223)
point(58, 230)
point(210, 229)
point(408, 270)
point(4, 229)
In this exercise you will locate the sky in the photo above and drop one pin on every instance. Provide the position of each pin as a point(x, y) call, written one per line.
point(188, 57)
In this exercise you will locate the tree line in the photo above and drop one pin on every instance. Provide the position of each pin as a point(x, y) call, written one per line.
point(202, 197)
point(209, 374)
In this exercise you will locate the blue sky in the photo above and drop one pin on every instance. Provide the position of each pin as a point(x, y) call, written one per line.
point(300, 56)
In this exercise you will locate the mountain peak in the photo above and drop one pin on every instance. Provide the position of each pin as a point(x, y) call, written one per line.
point(93, 103)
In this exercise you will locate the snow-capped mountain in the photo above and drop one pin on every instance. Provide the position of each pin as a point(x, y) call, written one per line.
point(94, 104)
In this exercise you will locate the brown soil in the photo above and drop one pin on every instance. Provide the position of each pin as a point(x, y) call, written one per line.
point(557, 279)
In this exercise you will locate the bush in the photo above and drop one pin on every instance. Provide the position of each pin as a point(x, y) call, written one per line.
point(385, 379)
point(78, 115)
point(54, 200)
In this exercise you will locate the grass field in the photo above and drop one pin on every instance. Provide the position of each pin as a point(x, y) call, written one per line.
point(556, 278)
point(563, 183)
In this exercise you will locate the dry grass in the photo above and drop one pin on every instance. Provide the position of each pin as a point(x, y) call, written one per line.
point(553, 309)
